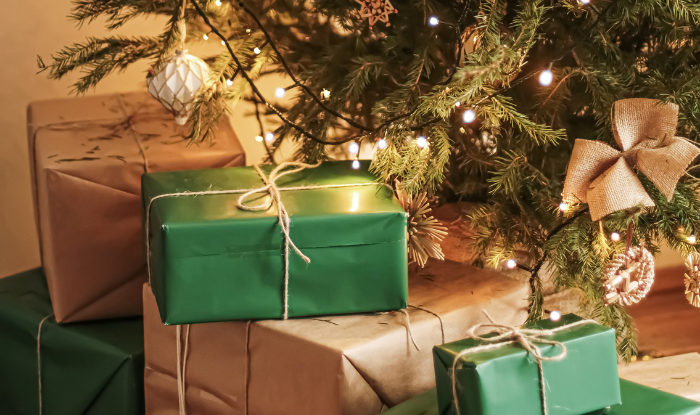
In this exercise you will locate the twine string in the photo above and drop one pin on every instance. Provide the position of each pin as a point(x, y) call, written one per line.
point(442, 325)
point(526, 338)
point(182, 366)
point(38, 361)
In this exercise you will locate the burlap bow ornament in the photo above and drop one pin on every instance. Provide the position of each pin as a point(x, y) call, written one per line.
point(605, 178)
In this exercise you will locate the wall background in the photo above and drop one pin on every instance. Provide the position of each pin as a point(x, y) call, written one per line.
point(40, 27)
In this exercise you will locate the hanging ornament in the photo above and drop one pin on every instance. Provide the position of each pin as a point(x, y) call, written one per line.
point(376, 11)
point(424, 231)
point(628, 286)
point(692, 279)
point(176, 81)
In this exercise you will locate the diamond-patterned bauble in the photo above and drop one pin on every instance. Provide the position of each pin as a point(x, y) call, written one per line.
point(176, 81)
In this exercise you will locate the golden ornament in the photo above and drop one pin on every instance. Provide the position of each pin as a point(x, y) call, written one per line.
point(628, 286)
point(376, 11)
point(692, 279)
point(424, 231)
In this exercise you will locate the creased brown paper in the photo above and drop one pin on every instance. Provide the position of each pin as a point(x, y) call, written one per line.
point(349, 365)
point(86, 161)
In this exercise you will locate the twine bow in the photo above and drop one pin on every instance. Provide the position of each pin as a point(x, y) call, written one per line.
point(509, 335)
point(604, 177)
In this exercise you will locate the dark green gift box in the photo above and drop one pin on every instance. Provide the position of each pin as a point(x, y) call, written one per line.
point(91, 368)
point(210, 261)
point(636, 400)
point(505, 380)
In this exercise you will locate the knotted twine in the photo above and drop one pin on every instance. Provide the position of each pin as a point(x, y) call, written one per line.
point(604, 177)
point(38, 361)
point(527, 338)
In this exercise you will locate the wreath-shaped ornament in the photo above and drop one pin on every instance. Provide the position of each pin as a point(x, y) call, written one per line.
point(692, 279)
point(629, 285)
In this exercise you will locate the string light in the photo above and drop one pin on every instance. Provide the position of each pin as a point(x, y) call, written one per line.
point(229, 82)
point(381, 144)
point(269, 137)
point(325, 93)
point(563, 206)
point(356, 164)
point(206, 36)
point(510, 264)
point(421, 141)
point(256, 50)
point(223, 43)
point(218, 2)
point(280, 92)
point(433, 21)
point(457, 104)
point(555, 315)
point(584, 2)
point(354, 148)
point(615, 237)
point(258, 138)
point(546, 77)
point(692, 240)
point(469, 116)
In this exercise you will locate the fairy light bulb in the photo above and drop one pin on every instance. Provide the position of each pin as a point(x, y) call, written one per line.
point(433, 21)
point(457, 104)
point(546, 77)
point(563, 206)
point(256, 50)
point(555, 315)
point(269, 137)
point(206, 36)
point(325, 93)
point(381, 144)
point(584, 2)
point(258, 138)
point(510, 264)
point(223, 43)
point(280, 92)
point(229, 82)
point(353, 148)
point(421, 141)
point(692, 240)
point(615, 237)
point(469, 116)
point(218, 2)
point(355, 164)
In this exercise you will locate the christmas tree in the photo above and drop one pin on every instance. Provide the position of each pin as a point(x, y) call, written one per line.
point(468, 100)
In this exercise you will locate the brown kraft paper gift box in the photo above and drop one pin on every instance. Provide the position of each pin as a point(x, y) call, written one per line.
point(340, 365)
point(86, 162)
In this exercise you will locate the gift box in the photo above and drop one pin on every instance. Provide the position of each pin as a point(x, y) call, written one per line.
point(212, 261)
point(636, 400)
point(92, 368)
point(582, 380)
point(322, 366)
point(87, 157)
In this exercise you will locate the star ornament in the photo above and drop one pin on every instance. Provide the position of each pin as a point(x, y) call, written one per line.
point(376, 11)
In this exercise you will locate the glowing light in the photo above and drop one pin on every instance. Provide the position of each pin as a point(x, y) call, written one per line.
point(457, 104)
point(258, 138)
point(510, 264)
point(206, 37)
point(692, 240)
point(229, 82)
point(256, 50)
point(381, 144)
point(433, 21)
point(356, 164)
point(584, 2)
point(269, 137)
point(469, 116)
point(555, 315)
point(421, 141)
point(355, 196)
point(280, 92)
point(325, 93)
point(218, 2)
point(223, 43)
point(353, 148)
point(615, 237)
point(546, 77)
point(563, 206)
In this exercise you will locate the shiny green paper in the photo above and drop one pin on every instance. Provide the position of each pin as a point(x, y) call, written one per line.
point(92, 368)
point(211, 261)
point(636, 400)
point(505, 380)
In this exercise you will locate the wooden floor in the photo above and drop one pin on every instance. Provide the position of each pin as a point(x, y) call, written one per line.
point(667, 324)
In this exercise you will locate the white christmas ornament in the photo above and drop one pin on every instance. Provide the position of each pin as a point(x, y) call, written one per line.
point(176, 82)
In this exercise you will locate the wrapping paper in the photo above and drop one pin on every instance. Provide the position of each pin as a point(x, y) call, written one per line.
point(86, 168)
point(585, 380)
point(636, 400)
point(349, 365)
point(211, 261)
point(93, 368)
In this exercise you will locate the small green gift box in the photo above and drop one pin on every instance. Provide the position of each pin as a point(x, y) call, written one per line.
point(502, 377)
point(211, 260)
point(87, 368)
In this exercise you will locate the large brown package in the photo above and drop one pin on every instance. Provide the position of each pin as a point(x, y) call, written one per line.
point(349, 365)
point(87, 157)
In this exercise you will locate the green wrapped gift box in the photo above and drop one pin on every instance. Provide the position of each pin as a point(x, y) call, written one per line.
point(505, 380)
point(211, 261)
point(93, 368)
point(636, 400)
